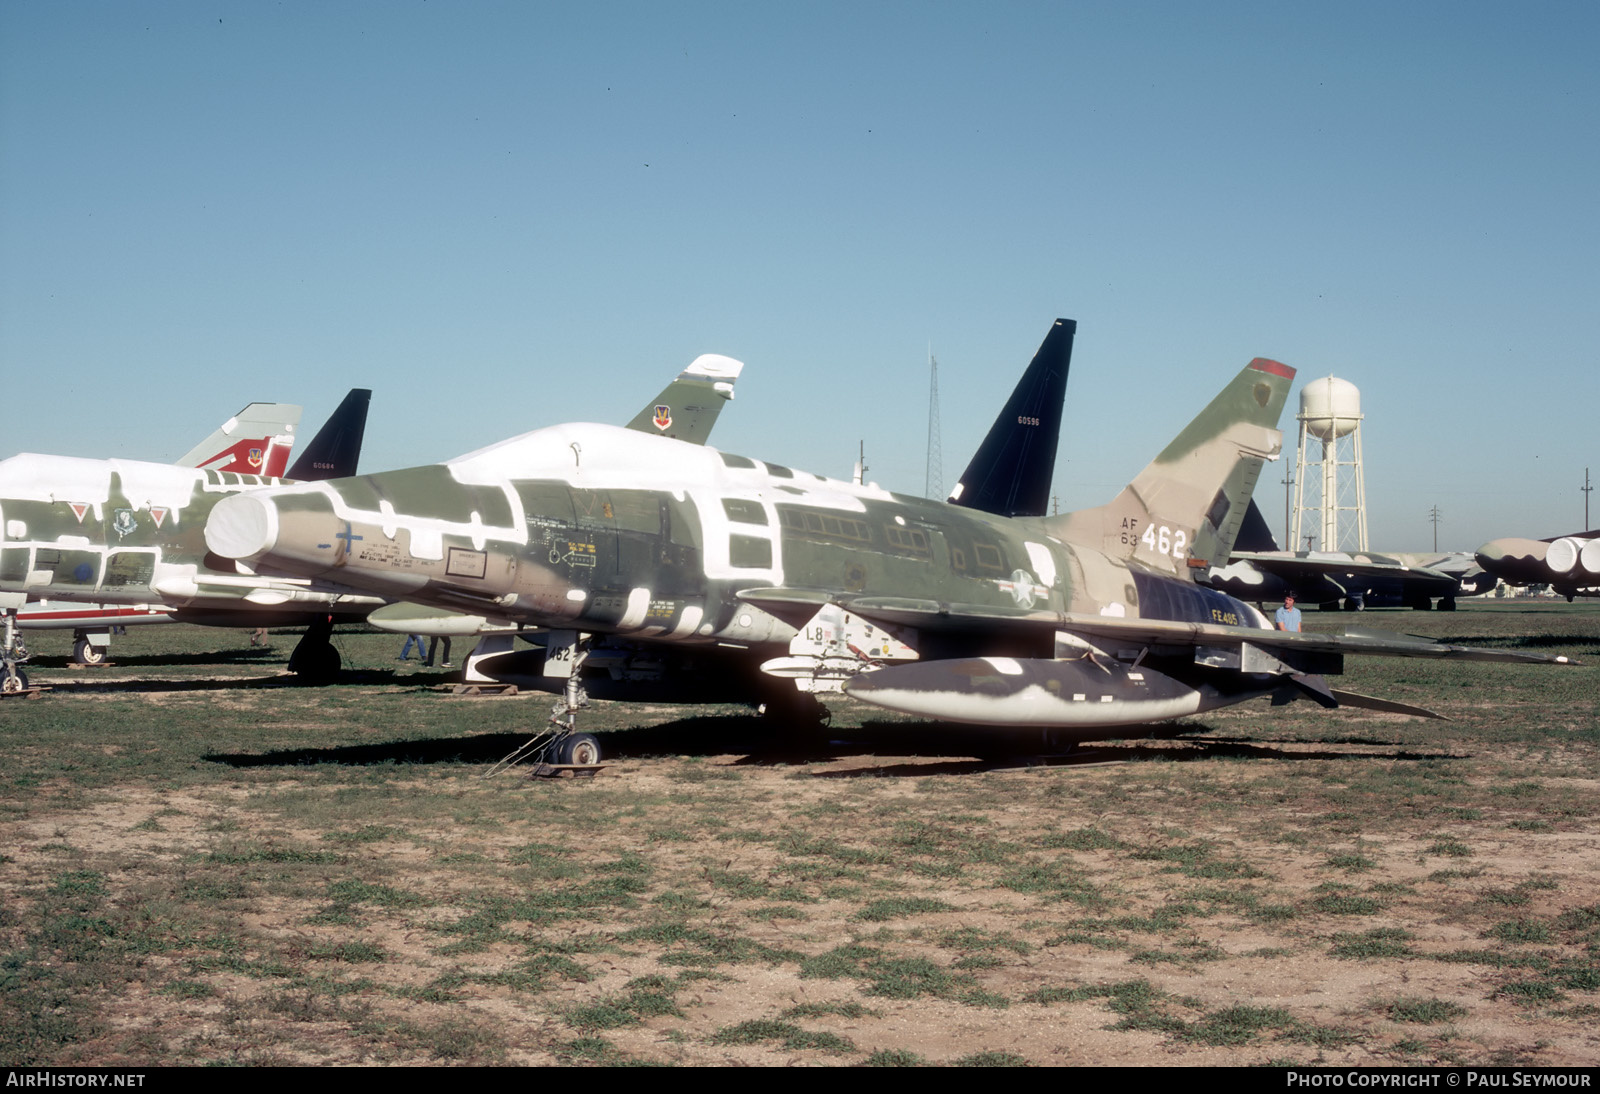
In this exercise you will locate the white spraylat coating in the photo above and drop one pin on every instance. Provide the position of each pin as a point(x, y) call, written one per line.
point(714, 366)
point(242, 526)
point(1563, 555)
point(1589, 557)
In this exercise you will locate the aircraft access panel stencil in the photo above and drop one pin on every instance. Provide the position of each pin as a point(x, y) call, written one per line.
point(465, 563)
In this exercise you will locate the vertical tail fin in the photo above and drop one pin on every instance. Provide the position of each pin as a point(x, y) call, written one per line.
point(255, 441)
point(1254, 535)
point(1010, 474)
point(1183, 512)
point(688, 407)
point(336, 449)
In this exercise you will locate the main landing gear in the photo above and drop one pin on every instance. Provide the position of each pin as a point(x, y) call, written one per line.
point(85, 651)
point(314, 658)
point(13, 653)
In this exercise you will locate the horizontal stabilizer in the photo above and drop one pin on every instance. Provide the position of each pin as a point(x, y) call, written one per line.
point(1387, 706)
point(1313, 687)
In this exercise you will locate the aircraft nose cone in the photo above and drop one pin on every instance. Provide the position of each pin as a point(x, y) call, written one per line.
point(1490, 553)
point(242, 526)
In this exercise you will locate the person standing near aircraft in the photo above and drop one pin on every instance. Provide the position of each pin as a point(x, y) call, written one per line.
point(1288, 616)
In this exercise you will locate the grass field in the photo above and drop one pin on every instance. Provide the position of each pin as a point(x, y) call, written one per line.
point(201, 862)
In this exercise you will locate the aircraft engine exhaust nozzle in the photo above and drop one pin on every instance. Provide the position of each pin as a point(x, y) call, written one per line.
point(242, 526)
point(1005, 691)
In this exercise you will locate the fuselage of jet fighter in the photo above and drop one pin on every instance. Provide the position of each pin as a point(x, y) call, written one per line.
point(1085, 620)
point(89, 531)
point(590, 528)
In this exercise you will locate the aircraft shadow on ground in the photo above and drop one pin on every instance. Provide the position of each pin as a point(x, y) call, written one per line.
point(168, 660)
point(876, 744)
point(85, 682)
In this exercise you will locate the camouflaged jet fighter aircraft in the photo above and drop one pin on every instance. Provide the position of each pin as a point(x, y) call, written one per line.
point(730, 570)
point(100, 542)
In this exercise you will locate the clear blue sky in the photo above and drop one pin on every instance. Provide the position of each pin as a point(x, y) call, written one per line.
point(506, 215)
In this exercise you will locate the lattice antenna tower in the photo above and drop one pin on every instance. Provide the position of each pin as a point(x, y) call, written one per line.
point(933, 484)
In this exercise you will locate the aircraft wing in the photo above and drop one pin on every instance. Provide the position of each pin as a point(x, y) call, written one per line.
point(933, 615)
point(1294, 568)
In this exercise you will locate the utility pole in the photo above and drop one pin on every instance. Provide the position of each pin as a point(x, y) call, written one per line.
point(1587, 490)
point(1434, 515)
point(1288, 504)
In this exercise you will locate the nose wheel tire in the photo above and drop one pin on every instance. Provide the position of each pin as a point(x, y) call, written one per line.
point(580, 749)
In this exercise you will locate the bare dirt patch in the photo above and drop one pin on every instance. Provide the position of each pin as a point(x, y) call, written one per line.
point(324, 878)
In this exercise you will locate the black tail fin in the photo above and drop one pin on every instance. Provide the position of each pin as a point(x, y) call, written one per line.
point(1011, 473)
point(334, 451)
point(1254, 535)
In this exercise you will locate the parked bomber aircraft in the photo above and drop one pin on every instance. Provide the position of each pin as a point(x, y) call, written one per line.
point(1569, 564)
point(1257, 571)
point(122, 540)
point(1078, 623)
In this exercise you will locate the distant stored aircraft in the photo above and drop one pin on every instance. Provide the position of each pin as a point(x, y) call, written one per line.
point(1085, 623)
point(1569, 564)
point(1257, 571)
point(97, 543)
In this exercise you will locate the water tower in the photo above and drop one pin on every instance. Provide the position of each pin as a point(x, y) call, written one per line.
point(1330, 412)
